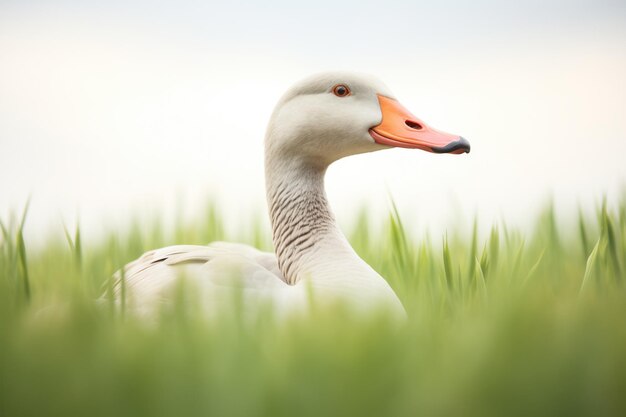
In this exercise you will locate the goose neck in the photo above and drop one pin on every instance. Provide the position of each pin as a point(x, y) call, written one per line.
point(303, 225)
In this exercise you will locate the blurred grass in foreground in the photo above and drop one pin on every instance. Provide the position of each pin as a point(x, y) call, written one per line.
point(517, 324)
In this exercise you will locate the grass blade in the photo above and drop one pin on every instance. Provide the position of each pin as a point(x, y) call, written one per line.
point(21, 253)
point(590, 266)
point(534, 268)
point(447, 263)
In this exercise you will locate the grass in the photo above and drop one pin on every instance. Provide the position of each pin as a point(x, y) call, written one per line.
point(514, 323)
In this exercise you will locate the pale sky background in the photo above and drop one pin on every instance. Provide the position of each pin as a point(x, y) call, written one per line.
point(118, 109)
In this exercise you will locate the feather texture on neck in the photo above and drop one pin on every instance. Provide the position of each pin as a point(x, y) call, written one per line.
point(299, 212)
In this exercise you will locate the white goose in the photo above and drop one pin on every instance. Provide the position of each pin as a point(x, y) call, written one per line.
point(318, 121)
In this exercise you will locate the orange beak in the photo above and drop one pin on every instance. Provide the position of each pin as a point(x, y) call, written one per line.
point(401, 129)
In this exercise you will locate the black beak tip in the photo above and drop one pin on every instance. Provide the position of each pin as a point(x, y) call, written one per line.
point(464, 144)
point(461, 145)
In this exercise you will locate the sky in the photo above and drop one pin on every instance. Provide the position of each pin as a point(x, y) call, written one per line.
point(113, 111)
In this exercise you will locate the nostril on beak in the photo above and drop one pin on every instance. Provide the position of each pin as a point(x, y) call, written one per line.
point(413, 125)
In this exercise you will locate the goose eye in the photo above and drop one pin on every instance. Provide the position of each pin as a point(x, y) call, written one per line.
point(341, 90)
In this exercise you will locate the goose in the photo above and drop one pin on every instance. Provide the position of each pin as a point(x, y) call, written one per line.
point(318, 121)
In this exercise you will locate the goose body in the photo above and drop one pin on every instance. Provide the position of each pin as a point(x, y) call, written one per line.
point(318, 121)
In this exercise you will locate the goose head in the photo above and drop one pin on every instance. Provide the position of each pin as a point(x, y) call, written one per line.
point(332, 115)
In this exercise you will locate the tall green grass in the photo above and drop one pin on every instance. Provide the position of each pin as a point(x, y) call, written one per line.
point(508, 324)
